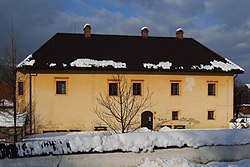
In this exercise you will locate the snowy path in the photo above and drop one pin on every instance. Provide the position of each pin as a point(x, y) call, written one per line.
point(199, 155)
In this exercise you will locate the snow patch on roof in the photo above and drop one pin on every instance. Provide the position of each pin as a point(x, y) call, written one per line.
point(52, 64)
point(248, 85)
point(179, 68)
point(7, 119)
point(97, 63)
point(228, 66)
point(164, 65)
point(27, 61)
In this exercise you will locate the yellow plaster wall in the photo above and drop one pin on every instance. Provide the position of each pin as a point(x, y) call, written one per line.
point(73, 111)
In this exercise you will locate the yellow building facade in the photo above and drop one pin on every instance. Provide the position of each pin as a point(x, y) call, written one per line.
point(73, 111)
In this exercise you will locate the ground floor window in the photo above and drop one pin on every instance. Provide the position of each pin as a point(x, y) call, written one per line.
point(210, 115)
point(175, 115)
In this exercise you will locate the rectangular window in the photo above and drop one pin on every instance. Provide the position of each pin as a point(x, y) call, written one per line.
point(20, 88)
point(175, 115)
point(60, 87)
point(210, 115)
point(175, 89)
point(211, 89)
point(137, 89)
point(113, 89)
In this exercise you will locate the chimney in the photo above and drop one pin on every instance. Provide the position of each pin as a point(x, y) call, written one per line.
point(87, 30)
point(179, 33)
point(144, 32)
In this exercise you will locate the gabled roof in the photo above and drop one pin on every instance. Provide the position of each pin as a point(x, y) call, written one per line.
point(67, 51)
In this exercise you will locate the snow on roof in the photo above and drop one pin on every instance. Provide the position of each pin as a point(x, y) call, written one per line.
point(27, 61)
point(248, 85)
point(164, 65)
point(6, 103)
point(219, 64)
point(7, 119)
point(245, 105)
point(52, 64)
point(96, 63)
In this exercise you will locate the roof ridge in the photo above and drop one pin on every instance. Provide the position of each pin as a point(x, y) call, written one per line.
point(118, 35)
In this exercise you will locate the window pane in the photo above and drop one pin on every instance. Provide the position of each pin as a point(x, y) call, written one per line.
point(174, 88)
point(20, 88)
point(60, 87)
point(210, 114)
point(136, 88)
point(175, 115)
point(113, 89)
point(211, 89)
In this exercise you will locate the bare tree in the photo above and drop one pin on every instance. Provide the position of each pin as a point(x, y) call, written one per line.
point(120, 112)
point(10, 60)
point(238, 96)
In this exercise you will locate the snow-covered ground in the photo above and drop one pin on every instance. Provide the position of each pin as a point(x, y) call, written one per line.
point(183, 162)
point(200, 146)
point(141, 141)
point(173, 157)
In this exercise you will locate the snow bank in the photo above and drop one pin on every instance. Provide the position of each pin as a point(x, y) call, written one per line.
point(96, 63)
point(130, 142)
point(160, 157)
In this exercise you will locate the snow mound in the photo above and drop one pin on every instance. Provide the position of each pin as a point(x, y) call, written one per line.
point(165, 128)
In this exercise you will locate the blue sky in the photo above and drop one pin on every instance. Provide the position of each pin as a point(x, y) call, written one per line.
point(221, 25)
